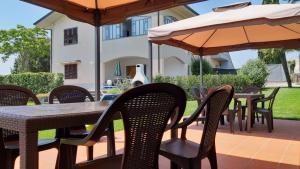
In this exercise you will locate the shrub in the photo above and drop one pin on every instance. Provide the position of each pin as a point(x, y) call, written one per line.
point(124, 85)
point(37, 82)
point(195, 66)
point(187, 82)
point(257, 72)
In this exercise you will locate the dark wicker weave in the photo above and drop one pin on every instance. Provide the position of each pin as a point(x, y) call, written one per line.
point(266, 112)
point(11, 95)
point(74, 94)
point(145, 111)
point(188, 154)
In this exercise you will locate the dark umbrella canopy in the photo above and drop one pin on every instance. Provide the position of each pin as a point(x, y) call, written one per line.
point(101, 12)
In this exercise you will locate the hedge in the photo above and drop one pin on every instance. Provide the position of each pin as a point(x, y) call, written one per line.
point(187, 82)
point(37, 82)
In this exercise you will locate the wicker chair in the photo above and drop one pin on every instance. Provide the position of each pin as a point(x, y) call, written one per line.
point(75, 94)
point(11, 95)
point(187, 154)
point(146, 111)
point(266, 112)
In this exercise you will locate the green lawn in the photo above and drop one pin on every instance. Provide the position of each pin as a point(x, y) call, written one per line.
point(286, 106)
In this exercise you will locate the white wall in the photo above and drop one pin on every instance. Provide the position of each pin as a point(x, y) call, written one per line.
point(130, 50)
point(83, 51)
point(297, 64)
point(175, 67)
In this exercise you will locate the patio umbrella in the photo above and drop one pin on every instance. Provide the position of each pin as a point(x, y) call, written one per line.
point(101, 12)
point(118, 71)
point(234, 27)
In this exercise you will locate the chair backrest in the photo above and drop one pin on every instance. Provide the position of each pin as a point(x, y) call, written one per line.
point(216, 102)
point(145, 111)
point(251, 89)
point(70, 94)
point(11, 95)
point(272, 97)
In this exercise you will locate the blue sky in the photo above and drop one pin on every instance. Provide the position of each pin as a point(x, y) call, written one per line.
point(14, 12)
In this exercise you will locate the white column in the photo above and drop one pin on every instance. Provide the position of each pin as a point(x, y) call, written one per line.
point(102, 73)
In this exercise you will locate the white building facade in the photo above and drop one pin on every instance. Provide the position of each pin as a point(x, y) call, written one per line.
point(73, 48)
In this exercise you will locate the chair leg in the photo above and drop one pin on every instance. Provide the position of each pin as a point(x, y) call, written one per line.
point(240, 120)
point(90, 153)
point(262, 119)
point(231, 121)
point(257, 117)
point(269, 122)
point(272, 120)
point(111, 149)
point(196, 164)
point(243, 113)
point(10, 160)
point(212, 157)
point(174, 165)
point(222, 120)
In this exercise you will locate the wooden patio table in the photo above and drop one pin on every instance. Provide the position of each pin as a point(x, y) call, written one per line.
point(28, 120)
point(249, 97)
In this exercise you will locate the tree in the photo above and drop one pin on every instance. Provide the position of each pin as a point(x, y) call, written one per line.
point(274, 55)
point(257, 72)
point(30, 45)
point(195, 66)
point(270, 2)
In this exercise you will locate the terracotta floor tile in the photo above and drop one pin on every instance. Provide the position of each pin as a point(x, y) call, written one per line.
point(241, 150)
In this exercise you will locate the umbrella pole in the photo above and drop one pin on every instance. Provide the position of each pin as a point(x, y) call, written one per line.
point(97, 56)
point(150, 53)
point(201, 71)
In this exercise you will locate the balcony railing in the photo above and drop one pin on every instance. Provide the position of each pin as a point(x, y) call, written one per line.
point(132, 27)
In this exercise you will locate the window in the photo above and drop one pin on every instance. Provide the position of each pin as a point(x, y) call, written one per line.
point(135, 26)
point(169, 19)
point(70, 36)
point(71, 71)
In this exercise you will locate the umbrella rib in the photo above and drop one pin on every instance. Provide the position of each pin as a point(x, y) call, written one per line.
point(290, 29)
point(209, 38)
point(187, 37)
point(247, 37)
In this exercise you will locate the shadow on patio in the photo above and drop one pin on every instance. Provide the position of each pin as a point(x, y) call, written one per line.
point(256, 150)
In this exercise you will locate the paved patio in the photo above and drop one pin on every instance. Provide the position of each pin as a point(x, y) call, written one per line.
point(256, 150)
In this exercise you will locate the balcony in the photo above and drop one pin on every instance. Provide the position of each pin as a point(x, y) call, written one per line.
point(136, 26)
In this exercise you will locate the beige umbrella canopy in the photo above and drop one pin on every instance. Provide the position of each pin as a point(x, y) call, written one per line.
point(234, 27)
point(101, 12)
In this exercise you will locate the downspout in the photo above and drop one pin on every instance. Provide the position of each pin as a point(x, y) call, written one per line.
point(51, 49)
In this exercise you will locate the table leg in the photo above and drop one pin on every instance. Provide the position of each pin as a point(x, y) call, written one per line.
point(249, 114)
point(28, 150)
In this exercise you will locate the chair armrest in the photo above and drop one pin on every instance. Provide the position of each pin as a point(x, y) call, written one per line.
point(264, 99)
point(192, 118)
